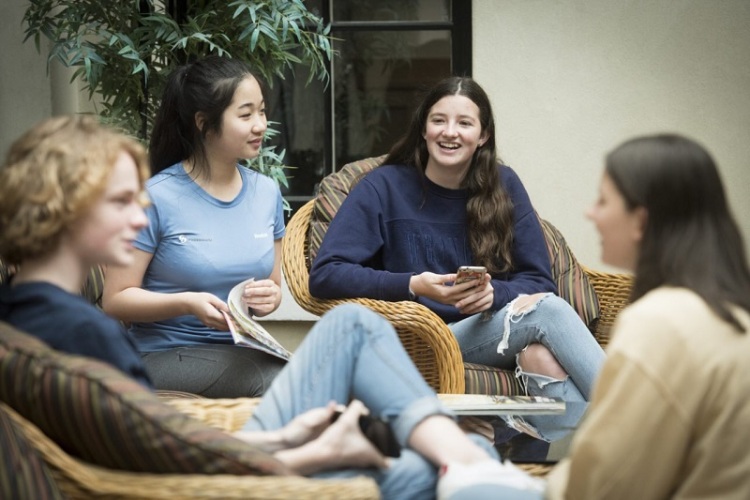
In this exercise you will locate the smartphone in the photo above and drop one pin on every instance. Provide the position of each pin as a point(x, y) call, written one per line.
point(468, 273)
point(378, 431)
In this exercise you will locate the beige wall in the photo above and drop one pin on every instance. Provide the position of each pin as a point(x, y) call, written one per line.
point(570, 79)
point(24, 86)
point(28, 93)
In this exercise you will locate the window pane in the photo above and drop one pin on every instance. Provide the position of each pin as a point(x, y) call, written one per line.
point(298, 108)
point(391, 10)
point(377, 80)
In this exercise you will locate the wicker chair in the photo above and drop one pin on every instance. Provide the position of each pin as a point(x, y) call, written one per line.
point(78, 479)
point(425, 336)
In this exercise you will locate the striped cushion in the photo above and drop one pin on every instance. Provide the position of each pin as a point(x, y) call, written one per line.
point(102, 416)
point(23, 473)
point(481, 379)
point(573, 284)
point(4, 271)
point(92, 289)
point(331, 193)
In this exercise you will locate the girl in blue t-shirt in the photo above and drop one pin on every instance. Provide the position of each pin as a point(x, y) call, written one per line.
point(212, 224)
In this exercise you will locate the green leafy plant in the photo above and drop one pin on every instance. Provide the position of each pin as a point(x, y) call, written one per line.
point(123, 51)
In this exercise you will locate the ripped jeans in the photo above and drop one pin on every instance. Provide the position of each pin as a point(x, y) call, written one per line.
point(553, 323)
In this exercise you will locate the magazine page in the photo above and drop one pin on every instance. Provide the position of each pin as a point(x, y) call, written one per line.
point(248, 332)
point(479, 404)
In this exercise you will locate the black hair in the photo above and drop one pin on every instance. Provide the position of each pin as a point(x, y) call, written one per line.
point(206, 86)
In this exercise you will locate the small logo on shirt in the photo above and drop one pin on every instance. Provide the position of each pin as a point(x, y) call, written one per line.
point(183, 240)
point(258, 236)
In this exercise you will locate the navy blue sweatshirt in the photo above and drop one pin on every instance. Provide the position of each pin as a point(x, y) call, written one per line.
point(69, 323)
point(394, 224)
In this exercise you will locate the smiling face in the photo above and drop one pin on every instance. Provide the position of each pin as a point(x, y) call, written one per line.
point(453, 132)
point(105, 234)
point(243, 124)
point(620, 228)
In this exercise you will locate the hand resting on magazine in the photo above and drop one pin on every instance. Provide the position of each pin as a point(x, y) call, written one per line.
point(208, 309)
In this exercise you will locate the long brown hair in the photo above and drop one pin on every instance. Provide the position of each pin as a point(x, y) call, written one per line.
point(691, 239)
point(489, 210)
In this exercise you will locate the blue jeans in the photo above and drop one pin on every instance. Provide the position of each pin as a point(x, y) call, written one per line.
point(553, 323)
point(352, 352)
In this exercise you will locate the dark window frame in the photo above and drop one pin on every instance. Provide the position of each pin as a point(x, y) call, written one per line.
point(460, 28)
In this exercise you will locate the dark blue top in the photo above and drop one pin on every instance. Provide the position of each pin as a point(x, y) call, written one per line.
point(69, 323)
point(394, 224)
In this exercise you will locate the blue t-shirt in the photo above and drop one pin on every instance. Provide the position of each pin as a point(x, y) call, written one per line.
point(69, 323)
point(203, 244)
point(394, 224)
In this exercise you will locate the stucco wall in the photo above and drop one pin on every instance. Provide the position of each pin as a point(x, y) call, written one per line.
point(24, 85)
point(570, 79)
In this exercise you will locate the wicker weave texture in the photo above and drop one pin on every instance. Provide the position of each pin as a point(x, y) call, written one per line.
point(613, 291)
point(78, 479)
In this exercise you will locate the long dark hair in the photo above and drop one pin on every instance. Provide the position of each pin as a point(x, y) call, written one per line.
point(206, 86)
point(691, 239)
point(489, 211)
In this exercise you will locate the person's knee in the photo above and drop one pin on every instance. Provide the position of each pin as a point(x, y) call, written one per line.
point(555, 306)
point(527, 303)
point(536, 358)
point(351, 313)
point(350, 317)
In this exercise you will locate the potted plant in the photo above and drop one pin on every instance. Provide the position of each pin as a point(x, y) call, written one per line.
point(123, 51)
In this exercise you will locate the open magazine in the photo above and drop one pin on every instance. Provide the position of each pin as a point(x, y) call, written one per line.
point(248, 332)
point(479, 404)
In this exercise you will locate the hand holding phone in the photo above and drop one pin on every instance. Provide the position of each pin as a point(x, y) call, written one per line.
point(469, 273)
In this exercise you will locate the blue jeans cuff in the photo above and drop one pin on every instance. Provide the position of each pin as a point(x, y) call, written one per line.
point(416, 412)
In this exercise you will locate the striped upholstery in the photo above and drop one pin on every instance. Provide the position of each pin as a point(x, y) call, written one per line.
point(94, 286)
point(572, 282)
point(92, 289)
point(482, 379)
point(98, 414)
point(23, 473)
point(332, 191)
point(4, 272)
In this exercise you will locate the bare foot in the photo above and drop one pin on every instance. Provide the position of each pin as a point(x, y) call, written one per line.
point(346, 444)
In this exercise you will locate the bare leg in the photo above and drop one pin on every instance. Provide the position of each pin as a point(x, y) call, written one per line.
point(536, 358)
point(452, 446)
